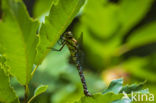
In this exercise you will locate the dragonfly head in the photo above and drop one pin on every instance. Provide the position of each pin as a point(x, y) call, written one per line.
point(68, 35)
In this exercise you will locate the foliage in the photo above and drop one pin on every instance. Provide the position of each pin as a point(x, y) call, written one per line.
point(41, 89)
point(113, 93)
point(116, 37)
point(7, 93)
point(18, 31)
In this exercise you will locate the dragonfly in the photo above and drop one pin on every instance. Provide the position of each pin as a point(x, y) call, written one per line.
point(74, 48)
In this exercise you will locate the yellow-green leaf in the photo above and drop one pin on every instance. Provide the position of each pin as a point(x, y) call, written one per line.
point(7, 94)
point(41, 89)
point(18, 39)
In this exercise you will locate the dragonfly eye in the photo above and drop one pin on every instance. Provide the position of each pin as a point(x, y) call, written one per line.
point(69, 33)
point(70, 37)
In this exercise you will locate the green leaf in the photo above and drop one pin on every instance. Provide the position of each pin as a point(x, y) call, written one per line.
point(7, 94)
point(125, 100)
point(142, 36)
point(133, 87)
point(18, 39)
point(2, 59)
point(61, 15)
point(40, 90)
point(115, 86)
point(41, 7)
point(100, 98)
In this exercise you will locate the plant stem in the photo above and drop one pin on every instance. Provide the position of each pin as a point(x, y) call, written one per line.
point(26, 93)
point(31, 99)
point(34, 70)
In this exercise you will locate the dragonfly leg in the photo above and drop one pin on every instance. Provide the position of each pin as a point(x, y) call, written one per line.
point(63, 44)
point(59, 49)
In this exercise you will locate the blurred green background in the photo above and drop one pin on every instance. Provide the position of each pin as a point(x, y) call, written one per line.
point(119, 40)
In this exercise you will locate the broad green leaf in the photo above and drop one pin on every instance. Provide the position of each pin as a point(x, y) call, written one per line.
point(2, 59)
point(41, 7)
point(41, 89)
point(142, 36)
point(125, 100)
point(18, 39)
point(100, 98)
point(7, 94)
point(133, 88)
point(61, 15)
point(115, 86)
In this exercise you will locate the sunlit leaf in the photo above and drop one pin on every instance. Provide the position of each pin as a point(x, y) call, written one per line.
point(41, 7)
point(41, 89)
point(18, 39)
point(7, 94)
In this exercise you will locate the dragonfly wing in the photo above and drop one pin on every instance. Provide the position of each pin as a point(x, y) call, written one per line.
point(81, 50)
point(80, 41)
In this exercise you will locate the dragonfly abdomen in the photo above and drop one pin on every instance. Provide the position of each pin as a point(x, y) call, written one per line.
point(74, 51)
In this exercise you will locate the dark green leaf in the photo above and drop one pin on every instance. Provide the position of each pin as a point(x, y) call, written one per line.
point(133, 87)
point(115, 86)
